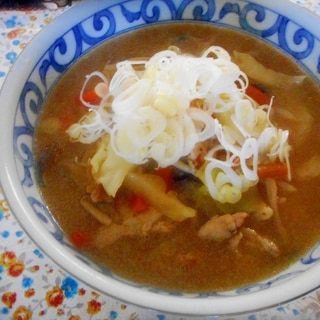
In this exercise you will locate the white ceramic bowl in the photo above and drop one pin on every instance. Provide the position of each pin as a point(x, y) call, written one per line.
point(71, 35)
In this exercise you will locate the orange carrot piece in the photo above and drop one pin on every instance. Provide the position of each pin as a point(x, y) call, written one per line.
point(273, 170)
point(138, 204)
point(257, 95)
point(91, 97)
point(80, 238)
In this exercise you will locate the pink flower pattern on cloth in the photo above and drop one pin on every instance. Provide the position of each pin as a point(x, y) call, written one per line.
point(34, 287)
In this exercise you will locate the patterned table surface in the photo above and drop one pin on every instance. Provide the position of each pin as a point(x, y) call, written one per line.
point(34, 287)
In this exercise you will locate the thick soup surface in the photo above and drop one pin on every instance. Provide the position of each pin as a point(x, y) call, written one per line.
point(175, 257)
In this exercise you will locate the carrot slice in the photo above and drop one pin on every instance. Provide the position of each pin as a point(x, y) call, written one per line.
point(80, 238)
point(273, 170)
point(91, 97)
point(138, 204)
point(257, 95)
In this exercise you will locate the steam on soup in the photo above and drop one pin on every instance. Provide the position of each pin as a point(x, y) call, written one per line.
point(186, 161)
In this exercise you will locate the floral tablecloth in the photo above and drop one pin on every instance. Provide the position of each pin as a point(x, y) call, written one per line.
point(34, 287)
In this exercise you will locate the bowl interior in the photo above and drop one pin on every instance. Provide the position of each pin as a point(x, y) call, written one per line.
point(79, 30)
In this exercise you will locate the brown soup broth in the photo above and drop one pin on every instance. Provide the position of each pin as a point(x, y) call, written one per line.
point(180, 260)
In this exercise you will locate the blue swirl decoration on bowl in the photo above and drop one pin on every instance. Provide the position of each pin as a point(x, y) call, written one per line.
point(127, 15)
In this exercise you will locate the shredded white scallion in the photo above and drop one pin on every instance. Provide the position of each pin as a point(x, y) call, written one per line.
point(162, 107)
point(88, 78)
